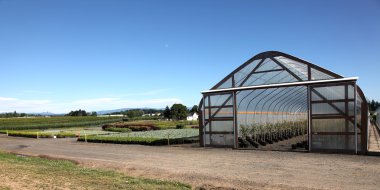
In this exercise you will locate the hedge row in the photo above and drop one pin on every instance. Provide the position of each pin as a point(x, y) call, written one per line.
point(131, 126)
point(59, 125)
point(136, 140)
point(117, 129)
point(32, 134)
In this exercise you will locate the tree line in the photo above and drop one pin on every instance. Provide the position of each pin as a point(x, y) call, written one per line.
point(15, 114)
point(373, 105)
point(178, 111)
point(81, 113)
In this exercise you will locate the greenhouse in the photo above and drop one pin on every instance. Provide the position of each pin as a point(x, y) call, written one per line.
point(276, 101)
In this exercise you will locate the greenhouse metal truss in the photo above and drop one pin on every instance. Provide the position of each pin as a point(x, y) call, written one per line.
point(275, 96)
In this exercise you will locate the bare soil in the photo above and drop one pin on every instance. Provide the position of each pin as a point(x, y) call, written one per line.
point(213, 168)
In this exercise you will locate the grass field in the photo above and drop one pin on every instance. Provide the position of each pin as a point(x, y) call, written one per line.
point(19, 172)
point(53, 122)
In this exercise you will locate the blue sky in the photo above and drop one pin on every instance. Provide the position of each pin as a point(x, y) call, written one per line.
point(58, 56)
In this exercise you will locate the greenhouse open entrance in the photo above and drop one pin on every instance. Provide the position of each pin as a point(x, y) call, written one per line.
point(275, 101)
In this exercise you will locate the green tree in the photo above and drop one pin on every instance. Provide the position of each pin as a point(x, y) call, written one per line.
point(178, 112)
point(77, 113)
point(94, 113)
point(373, 105)
point(167, 114)
point(134, 113)
point(194, 109)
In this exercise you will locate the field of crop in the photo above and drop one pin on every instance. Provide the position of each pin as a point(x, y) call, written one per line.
point(156, 137)
point(53, 122)
point(88, 129)
point(58, 133)
point(167, 133)
point(165, 124)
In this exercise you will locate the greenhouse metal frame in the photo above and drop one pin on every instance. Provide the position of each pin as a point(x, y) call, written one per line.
point(274, 96)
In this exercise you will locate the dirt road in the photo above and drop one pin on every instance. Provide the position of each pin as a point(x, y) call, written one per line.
point(214, 167)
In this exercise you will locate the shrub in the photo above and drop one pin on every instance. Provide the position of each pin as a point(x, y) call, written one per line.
point(33, 134)
point(180, 126)
point(117, 129)
point(131, 126)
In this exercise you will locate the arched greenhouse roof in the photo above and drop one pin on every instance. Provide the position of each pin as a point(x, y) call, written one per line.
point(274, 67)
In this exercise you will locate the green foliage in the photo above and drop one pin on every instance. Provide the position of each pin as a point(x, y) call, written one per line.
point(373, 105)
point(118, 129)
point(134, 113)
point(167, 114)
point(160, 124)
point(159, 137)
point(373, 118)
point(282, 127)
point(167, 133)
point(178, 112)
point(131, 126)
point(12, 114)
point(77, 113)
point(180, 126)
point(156, 117)
point(244, 130)
point(194, 109)
point(144, 111)
point(35, 134)
point(53, 122)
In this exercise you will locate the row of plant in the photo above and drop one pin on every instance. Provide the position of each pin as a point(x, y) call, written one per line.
point(150, 125)
point(53, 122)
point(153, 137)
point(52, 133)
point(263, 134)
point(120, 126)
point(136, 140)
point(173, 124)
point(37, 134)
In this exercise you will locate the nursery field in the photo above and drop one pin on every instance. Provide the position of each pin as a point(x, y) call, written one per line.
point(22, 172)
point(53, 122)
point(56, 132)
point(103, 130)
point(164, 124)
point(153, 137)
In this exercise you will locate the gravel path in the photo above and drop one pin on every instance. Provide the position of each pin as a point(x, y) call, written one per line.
point(213, 167)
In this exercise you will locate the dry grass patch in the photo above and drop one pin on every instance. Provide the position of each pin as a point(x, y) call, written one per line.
point(20, 172)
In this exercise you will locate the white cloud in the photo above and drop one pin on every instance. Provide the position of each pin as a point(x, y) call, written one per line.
point(7, 99)
point(14, 104)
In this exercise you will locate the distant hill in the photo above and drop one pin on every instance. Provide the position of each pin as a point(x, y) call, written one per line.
point(102, 112)
point(48, 114)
